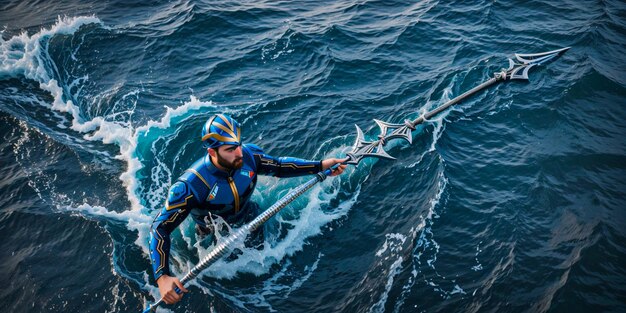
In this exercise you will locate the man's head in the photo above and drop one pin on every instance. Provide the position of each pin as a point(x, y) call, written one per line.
point(230, 157)
point(221, 135)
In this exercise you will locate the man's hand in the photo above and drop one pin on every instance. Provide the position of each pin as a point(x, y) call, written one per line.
point(330, 162)
point(166, 288)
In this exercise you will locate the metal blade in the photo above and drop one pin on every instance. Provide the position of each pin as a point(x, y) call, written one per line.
point(518, 68)
point(539, 58)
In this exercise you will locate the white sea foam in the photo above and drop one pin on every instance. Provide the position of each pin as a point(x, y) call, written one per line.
point(478, 266)
point(394, 270)
point(27, 56)
point(428, 247)
point(393, 246)
point(280, 284)
point(419, 232)
point(436, 121)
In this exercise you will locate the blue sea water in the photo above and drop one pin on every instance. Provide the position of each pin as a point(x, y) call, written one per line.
point(512, 201)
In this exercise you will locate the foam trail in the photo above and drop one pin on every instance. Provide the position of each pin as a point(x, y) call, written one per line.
point(419, 230)
point(27, 56)
point(392, 248)
point(124, 216)
point(281, 284)
point(437, 121)
point(426, 241)
point(394, 242)
point(129, 153)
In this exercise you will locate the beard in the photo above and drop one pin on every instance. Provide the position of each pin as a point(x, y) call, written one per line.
point(234, 165)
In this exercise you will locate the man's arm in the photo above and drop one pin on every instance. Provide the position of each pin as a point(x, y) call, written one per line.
point(288, 166)
point(178, 205)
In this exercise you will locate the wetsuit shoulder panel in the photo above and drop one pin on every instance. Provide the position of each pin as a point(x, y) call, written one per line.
point(178, 196)
point(199, 181)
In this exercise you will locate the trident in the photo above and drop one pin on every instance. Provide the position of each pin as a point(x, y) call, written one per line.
point(518, 69)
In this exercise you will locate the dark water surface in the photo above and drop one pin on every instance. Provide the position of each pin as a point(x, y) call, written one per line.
point(513, 201)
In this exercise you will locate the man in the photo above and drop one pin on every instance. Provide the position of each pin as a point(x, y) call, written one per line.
point(220, 183)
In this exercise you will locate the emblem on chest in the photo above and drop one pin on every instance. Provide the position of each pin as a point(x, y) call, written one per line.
point(213, 192)
point(247, 173)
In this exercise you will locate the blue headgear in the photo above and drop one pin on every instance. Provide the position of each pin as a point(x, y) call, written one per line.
point(221, 130)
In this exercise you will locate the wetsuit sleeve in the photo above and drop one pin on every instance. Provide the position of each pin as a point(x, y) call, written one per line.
point(179, 203)
point(283, 166)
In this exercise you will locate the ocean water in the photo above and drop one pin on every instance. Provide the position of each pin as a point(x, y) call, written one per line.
point(512, 201)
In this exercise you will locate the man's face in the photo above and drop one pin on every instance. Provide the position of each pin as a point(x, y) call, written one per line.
point(229, 156)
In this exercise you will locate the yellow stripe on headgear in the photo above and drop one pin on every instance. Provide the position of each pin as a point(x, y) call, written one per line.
point(228, 131)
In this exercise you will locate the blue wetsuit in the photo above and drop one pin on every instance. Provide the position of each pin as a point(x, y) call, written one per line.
point(204, 189)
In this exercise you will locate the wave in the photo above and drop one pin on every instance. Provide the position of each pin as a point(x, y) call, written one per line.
point(168, 19)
